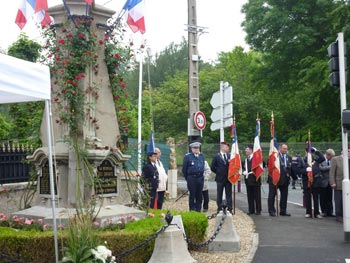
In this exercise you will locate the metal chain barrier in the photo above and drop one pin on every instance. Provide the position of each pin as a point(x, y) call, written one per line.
point(143, 243)
point(211, 239)
point(7, 259)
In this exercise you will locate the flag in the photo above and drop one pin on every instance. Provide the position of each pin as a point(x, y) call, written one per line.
point(89, 2)
point(27, 9)
point(257, 161)
point(151, 147)
point(274, 162)
point(40, 5)
point(235, 165)
point(135, 20)
point(310, 176)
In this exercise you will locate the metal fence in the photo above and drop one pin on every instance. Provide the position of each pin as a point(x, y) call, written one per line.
point(13, 168)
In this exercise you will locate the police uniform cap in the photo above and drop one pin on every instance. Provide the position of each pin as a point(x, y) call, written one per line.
point(151, 154)
point(195, 145)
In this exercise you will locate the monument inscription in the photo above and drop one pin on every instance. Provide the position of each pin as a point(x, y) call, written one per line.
point(107, 180)
point(45, 180)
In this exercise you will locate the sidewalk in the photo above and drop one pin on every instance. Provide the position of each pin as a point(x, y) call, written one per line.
point(296, 239)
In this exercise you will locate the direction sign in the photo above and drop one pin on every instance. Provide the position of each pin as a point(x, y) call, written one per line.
point(199, 120)
point(216, 113)
point(215, 99)
point(217, 125)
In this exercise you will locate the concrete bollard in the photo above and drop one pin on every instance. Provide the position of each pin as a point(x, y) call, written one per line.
point(171, 247)
point(227, 239)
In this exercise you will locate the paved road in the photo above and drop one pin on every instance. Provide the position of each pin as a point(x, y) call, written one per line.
point(293, 239)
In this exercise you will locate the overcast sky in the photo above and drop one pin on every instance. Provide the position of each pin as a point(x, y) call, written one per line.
point(165, 23)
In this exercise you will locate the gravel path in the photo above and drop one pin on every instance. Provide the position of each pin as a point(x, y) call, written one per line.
point(244, 226)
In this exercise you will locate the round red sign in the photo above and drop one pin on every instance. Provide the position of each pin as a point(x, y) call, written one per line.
point(199, 120)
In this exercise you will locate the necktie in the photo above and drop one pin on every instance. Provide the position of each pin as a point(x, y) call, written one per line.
point(328, 162)
point(225, 157)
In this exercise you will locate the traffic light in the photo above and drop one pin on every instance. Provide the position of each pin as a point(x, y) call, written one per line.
point(333, 63)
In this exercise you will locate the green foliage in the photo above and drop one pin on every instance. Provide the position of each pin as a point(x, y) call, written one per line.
point(4, 127)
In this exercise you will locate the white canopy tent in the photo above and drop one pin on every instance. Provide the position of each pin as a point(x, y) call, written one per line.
point(24, 81)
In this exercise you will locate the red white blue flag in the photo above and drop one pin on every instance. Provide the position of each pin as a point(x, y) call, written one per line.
point(257, 161)
point(135, 20)
point(151, 146)
point(235, 165)
point(89, 2)
point(274, 162)
point(35, 9)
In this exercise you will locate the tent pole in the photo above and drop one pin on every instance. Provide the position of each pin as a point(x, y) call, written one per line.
point(52, 186)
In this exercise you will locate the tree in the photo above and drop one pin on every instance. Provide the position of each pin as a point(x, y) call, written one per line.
point(26, 117)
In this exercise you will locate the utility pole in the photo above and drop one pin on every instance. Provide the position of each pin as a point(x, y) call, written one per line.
point(194, 134)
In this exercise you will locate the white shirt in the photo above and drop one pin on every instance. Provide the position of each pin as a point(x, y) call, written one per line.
point(163, 177)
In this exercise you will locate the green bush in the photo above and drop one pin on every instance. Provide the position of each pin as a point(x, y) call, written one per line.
point(38, 247)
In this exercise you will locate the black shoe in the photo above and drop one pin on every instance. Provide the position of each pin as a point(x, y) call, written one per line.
point(284, 214)
point(250, 213)
point(330, 215)
point(273, 214)
point(293, 187)
point(258, 213)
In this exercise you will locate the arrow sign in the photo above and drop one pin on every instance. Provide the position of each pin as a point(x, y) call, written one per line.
point(217, 125)
point(215, 99)
point(216, 113)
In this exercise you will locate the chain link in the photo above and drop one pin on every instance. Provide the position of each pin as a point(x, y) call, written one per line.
point(143, 243)
point(211, 239)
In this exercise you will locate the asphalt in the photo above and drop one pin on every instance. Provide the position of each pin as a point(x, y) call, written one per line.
point(295, 238)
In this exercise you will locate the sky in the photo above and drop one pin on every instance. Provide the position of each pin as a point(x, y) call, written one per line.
point(165, 23)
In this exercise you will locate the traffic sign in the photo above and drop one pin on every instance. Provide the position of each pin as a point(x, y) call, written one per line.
point(217, 125)
point(216, 113)
point(215, 99)
point(199, 120)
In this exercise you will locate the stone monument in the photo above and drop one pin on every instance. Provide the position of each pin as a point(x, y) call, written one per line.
point(99, 143)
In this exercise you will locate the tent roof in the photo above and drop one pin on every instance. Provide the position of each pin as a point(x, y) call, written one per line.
point(22, 81)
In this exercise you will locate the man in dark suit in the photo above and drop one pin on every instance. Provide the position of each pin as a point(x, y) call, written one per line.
point(219, 166)
point(151, 176)
point(252, 184)
point(283, 183)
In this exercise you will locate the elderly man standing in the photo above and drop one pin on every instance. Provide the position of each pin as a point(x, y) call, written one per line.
point(193, 170)
point(326, 191)
point(219, 166)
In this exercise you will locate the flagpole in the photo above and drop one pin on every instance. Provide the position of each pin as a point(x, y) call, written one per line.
point(139, 125)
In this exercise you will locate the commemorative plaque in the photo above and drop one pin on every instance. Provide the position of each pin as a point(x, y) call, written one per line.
point(107, 180)
point(44, 180)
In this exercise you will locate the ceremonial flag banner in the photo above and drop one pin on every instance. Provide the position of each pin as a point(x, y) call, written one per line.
point(89, 2)
point(257, 161)
point(135, 20)
point(274, 162)
point(310, 176)
point(35, 9)
point(151, 146)
point(235, 165)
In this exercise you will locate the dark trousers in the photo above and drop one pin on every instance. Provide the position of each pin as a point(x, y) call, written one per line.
point(338, 202)
point(205, 194)
point(160, 199)
point(326, 200)
point(152, 193)
point(272, 196)
point(314, 192)
point(254, 199)
point(228, 193)
point(195, 187)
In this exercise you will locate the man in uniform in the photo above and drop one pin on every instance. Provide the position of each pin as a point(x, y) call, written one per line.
point(193, 170)
point(283, 183)
point(253, 185)
point(219, 166)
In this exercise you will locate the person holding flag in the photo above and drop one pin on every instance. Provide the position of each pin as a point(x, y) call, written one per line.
point(150, 173)
point(312, 179)
point(280, 170)
point(252, 182)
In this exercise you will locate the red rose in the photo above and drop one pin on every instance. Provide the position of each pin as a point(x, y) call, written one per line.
point(61, 41)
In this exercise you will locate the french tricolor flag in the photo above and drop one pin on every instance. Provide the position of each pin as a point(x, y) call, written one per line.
point(35, 9)
point(257, 161)
point(136, 20)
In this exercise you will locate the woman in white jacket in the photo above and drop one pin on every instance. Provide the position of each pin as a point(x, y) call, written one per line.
point(205, 191)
